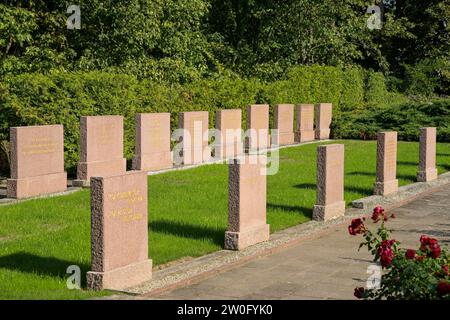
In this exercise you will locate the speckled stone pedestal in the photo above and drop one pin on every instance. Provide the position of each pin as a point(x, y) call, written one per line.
point(304, 130)
point(37, 161)
point(247, 188)
point(427, 155)
point(386, 182)
point(119, 232)
point(330, 183)
point(101, 148)
point(323, 120)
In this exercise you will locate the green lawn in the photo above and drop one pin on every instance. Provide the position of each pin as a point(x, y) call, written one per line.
point(40, 238)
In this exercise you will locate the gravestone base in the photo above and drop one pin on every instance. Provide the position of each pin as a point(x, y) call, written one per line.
point(86, 170)
point(81, 183)
point(304, 135)
point(329, 212)
point(427, 175)
point(153, 162)
point(36, 186)
point(228, 150)
point(120, 278)
point(243, 239)
point(322, 134)
point(283, 139)
point(385, 188)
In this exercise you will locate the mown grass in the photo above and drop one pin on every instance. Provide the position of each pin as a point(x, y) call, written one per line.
point(40, 238)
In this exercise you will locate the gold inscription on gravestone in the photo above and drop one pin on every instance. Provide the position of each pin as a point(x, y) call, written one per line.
point(40, 146)
point(127, 213)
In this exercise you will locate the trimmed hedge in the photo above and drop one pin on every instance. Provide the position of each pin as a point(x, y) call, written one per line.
point(62, 97)
point(406, 119)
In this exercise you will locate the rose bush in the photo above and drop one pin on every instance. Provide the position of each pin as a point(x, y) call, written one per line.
point(421, 273)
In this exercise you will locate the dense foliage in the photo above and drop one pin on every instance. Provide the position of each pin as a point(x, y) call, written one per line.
point(177, 55)
point(62, 97)
point(180, 41)
point(406, 118)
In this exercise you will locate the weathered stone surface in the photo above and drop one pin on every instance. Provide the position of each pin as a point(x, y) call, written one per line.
point(194, 138)
point(229, 138)
point(247, 188)
point(258, 137)
point(284, 124)
point(304, 130)
point(119, 232)
point(37, 161)
point(152, 149)
point(101, 148)
point(427, 155)
point(323, 120)
point(386, 182)
point(330, 202)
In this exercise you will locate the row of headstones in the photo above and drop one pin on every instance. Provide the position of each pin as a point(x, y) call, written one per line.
point(37, 152)
point(119, 232)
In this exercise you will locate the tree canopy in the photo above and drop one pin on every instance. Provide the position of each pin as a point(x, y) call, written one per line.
point(182, 40)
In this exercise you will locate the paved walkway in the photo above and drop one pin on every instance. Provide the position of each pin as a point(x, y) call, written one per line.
point(327, 267)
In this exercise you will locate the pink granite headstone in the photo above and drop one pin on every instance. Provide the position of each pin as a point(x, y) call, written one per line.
point(330, 202)
point(427, 155)
point(119, 232)
point(37, 161)
point(323, 120)
point(101, 148)
point(386, 182)
point(257, 135)
point(229, 138)
point(284, 124)
point(152, 149)
point(247, 188)
point(194, 138)
point(305, 123)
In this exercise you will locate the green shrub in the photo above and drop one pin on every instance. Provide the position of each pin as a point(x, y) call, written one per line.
point(63, 97)
point(428, 77)
point(406, 119)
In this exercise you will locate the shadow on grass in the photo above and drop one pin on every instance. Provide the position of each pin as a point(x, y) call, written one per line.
point(359, 190)
point(47, 266)
point(296, 209)
point(188, 231)
point(446, 167)
point(409, 177)
point(353, 189)
point(362, 173)
point(408, 163)
point(312, 186)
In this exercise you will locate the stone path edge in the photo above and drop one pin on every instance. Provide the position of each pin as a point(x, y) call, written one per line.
point(407, 192)
point(198, 269)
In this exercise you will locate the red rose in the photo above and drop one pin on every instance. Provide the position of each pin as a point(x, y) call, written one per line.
point(356, 227)
point(424, 239)
point(385, 252)
point(445, 269)
point(435, 251)
point(359, 292)
point(377, 213)
point(410, 254)
point(443, 288)
point(386, 259)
